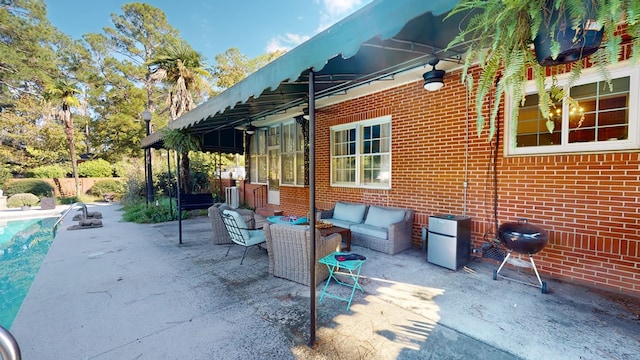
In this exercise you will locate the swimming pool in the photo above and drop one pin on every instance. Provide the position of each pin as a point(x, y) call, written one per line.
point(23, 246)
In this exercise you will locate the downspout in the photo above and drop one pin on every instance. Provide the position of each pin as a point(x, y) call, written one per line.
point(465, 183)
point(312, 207)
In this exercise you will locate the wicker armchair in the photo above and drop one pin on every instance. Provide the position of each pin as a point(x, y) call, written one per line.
point(220, 234)
point(289, 252)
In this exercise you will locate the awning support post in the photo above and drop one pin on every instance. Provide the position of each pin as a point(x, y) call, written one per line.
point(312, 206)
point(179, 197)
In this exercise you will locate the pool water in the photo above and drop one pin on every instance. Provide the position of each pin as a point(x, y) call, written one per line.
point(23, 246)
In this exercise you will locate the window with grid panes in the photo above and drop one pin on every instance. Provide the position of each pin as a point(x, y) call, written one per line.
point(292, 158)
point(361, 154)
point(601, 119)
point(259, 170)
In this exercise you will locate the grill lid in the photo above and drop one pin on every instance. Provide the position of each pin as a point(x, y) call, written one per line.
point(522, 237)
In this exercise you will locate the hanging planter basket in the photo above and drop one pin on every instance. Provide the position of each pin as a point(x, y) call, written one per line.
point(574, 43)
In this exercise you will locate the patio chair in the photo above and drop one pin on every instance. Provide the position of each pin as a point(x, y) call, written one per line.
point(289, 248)
point(220, 235)
point(240, 233)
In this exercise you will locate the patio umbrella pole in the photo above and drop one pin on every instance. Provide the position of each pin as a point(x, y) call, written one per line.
point(312, 207)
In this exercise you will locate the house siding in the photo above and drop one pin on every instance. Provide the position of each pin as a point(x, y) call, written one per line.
point(588, 203)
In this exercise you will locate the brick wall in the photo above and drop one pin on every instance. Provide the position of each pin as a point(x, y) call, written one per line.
point(587, 202)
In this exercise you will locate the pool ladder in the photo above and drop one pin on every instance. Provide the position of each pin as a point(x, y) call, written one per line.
point(9, 349)
point(84, 212)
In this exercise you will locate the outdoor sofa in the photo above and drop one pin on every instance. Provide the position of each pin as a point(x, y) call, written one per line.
point(381, 228)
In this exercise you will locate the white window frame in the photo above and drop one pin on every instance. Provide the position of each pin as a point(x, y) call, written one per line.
point(632, 142)
point(358, 183)
point(257, 157)
point(296, 154)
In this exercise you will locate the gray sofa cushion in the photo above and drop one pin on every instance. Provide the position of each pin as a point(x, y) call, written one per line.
point(353, 213)
point(371, 230)
point(383, 217)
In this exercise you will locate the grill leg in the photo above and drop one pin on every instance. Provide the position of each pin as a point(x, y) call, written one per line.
point(503, 262)
point(535, 270)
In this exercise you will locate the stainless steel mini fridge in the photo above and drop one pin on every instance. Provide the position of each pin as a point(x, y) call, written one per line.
point(449, 241)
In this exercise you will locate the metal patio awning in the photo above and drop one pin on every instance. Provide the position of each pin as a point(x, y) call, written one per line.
point(383, 39)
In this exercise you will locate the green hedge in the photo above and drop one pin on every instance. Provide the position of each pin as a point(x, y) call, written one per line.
point(47, 172)
point(95, 168)
point(39, 188)
point(107, 186)
point(19, 200)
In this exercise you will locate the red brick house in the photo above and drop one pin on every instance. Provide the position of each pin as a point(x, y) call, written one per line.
point(581, 183)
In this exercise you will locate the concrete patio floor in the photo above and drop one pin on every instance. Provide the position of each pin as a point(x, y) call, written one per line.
point(130, 291)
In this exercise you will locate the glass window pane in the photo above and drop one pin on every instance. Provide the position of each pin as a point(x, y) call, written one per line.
point(262, 169)
point(620, 85)
point(375, 131)
point(582, 135)
point(299, 137)
point(582, 91)
point(300, 168)
point(288, 170)
point(375, 146)
point(385, 145)
point(274, 136)
point(288, 141)
point(254, 168)
point(618, 117)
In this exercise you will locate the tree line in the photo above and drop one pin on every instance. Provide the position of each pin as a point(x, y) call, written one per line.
point(61, 97)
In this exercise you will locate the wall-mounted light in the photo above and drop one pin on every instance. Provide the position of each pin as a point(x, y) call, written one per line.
point(433, 79)
point(250, 129)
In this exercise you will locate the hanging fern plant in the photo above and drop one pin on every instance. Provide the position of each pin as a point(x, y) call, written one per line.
point(182, 142)
point(179, 140)
point(501, 35)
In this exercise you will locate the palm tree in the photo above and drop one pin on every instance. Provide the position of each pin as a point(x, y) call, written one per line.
point(183, 69)
point(63, 92)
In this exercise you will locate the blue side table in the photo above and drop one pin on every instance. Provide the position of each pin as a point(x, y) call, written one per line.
point(352, 266)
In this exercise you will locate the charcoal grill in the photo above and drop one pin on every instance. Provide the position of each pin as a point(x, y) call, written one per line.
point(523, 238)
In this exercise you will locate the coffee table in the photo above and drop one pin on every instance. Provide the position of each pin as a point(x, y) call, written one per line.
point(344, 232)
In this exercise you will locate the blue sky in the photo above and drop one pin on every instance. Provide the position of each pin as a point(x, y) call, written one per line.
point(212, 26)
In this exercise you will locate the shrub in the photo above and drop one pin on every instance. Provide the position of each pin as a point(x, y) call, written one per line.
point(39, 188)
point(165, 185)
point(199, 181)
point(139, 212)
point(107, 186)
point(120, 168)
point(95, 168)
point(47, 172)
point(23, 199)
point(5, 174)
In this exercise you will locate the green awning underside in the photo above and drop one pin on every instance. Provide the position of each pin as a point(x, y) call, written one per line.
point(385, 38)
